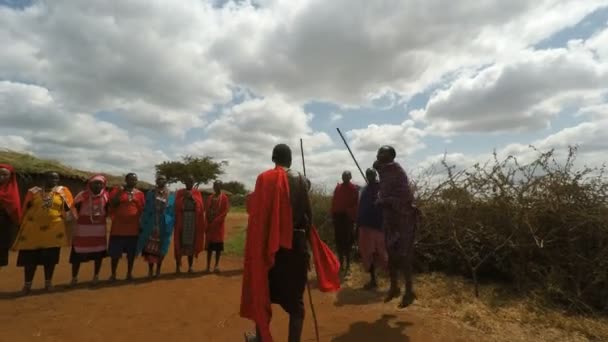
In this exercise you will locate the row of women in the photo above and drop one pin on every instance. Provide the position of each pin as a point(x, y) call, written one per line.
point(50, 218)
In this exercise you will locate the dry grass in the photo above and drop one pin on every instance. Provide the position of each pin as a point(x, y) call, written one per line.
point(537, 227)
point(26, 164)
point(498, 315)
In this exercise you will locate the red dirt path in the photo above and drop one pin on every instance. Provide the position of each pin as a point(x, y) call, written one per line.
point(192, 308)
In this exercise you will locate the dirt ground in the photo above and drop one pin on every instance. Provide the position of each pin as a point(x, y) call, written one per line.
point(199, 307)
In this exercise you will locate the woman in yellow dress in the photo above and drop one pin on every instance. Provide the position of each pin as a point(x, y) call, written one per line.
point(44, 229)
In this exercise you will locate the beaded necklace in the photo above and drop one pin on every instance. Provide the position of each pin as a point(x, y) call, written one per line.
point(47, 198)
point(95, 210)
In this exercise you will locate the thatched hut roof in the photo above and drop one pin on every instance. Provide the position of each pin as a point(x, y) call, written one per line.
point(26, 164)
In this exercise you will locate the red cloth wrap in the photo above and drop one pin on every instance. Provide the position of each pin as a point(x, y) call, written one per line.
point(125, 217)
point(216, 230)
point(327, 265)
point(201, 221)
point(9, 196)
point(345, 200)
point(270, 227)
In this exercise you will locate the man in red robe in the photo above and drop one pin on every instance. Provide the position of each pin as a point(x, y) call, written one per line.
point(190, 224)
point(276, 251)
point(344, 213)
point(217, 209)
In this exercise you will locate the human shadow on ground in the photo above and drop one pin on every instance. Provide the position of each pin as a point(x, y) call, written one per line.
point(88, 285)
point(349, 296)
point(379, 330)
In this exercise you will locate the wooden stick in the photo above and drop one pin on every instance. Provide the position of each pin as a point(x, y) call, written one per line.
point(303, 163)
point(312, 306)
point(352, 155)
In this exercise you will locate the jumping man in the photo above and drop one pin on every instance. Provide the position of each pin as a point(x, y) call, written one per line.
point(399, 218)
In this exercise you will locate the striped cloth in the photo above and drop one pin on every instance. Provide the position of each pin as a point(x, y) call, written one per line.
point(90, 231)
point(89, 237)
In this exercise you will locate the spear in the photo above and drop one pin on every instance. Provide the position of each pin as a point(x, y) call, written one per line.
point(312, 306)
point(352, 155)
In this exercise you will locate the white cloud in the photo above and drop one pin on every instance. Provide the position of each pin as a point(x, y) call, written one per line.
point(245, 134)
point(14, 143)
point(146, 59)
point(522, 93)
point(70, 68)
point(35, 122)
point(405, 138)
point(343, 51)
point(599, 43)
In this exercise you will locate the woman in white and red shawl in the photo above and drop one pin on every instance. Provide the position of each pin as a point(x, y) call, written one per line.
point(89, 237)
point(399, 217)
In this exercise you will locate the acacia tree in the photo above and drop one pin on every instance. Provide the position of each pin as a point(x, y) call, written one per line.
point(235, 187)
point(204, 169)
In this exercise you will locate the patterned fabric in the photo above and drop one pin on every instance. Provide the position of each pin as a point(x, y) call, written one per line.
point(189, 229)
point(156, 223)
point(398, 214)
point(152, 251)
point(45, 219)
point(372, 247)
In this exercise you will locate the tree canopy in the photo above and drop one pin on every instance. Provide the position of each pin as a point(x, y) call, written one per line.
point(235, 187)
point(204, 169)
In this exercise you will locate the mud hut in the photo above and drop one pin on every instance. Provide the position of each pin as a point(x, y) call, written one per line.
point(30, 172)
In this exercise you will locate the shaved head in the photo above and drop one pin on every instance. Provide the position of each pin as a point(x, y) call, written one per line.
point(281, 155)
point(371, 175)
point(217, 187)
point(346, 176)
point(390, 150)
point(386, 154)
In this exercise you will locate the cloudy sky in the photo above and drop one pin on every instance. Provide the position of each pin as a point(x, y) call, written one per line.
point(119, 86)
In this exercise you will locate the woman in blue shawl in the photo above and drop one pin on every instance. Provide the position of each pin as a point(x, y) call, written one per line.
point(156, 226)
